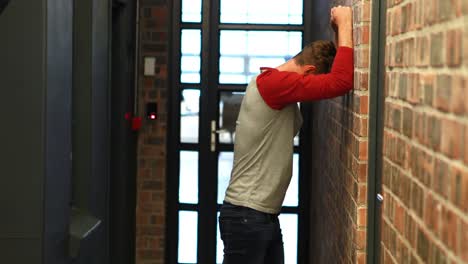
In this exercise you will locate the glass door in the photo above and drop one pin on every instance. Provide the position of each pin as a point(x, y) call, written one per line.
point(218, 47)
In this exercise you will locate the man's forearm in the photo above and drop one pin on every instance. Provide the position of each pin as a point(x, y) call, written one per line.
point(280, 88)
point(345, 35)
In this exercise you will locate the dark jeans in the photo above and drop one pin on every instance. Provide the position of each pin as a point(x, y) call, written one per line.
point(250, 236)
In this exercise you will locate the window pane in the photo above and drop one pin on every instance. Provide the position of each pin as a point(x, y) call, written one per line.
point(231, 64)
point(191, 41)
point(189, 115)
point(190, 64)
point(262, 11)
point(233, 78)
point(190, 78)
point(188, 185)
point(225, 160)
point(292, 195)
point(233, 42)
point(256, 63)
point(229, 107)
point(244, 52)
point(191, 11)
point(288, 224)
point(188, 230)
point(190, 56)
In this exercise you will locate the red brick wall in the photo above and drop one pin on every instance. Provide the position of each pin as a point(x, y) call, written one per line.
point(151, 175)
point(339, 161)
point(425, 173)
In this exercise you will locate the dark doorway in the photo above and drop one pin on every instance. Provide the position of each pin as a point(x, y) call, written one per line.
point(123, 139)
point(91, 127)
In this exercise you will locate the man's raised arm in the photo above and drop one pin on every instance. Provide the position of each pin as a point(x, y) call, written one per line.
point(280, 88)
point(342, 22)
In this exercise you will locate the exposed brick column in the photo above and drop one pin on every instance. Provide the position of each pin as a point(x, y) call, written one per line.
point(151, 177)
point(339, 160)
point(425, 173)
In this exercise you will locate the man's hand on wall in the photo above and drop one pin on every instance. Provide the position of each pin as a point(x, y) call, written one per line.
point(341, 19)
point(341, 16)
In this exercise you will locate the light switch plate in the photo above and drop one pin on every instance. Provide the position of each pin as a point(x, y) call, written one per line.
point(150, 63)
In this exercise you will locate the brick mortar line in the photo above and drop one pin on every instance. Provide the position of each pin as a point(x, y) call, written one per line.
point(360, 162)
point(368, 63)
point(353, 221)
point(348, 111)
point(454, 23)
point(361, 92)
point(404, 2)
point(361, 116)
point(436, 196)
point(430, 110)
point(414, 69)
point(361, 70)
point(421, 69)
point(349, 129)
point(359, 138)
point(435, 154)
point(341, 143)
point(361, 89)
point(427, 109)
point(360, 47)
point(447, 202)
point(347, 170)
point(412, 250)
point(390, 254)
point(363, 22)
point(462, 68)
point(364, 70)
point(349, 151)
point(426, 230)
point(356, 136)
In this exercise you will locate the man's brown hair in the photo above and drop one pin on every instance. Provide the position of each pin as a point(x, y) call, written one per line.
point(319, 53)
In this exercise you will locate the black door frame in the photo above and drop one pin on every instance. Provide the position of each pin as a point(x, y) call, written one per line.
point(123, 150)
point(376, 127)
point(210, 41)
point(207, 174)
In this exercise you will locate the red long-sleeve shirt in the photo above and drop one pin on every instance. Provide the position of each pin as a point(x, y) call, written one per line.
point(280, 88)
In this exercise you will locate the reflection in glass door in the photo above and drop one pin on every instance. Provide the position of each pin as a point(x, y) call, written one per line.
point(215, 56)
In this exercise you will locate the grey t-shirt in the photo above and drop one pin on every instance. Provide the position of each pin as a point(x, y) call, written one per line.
point(263, 153)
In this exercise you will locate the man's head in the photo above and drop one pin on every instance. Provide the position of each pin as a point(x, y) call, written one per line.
point(316, 58)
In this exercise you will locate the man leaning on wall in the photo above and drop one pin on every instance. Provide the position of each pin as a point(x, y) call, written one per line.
point(268, 120)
